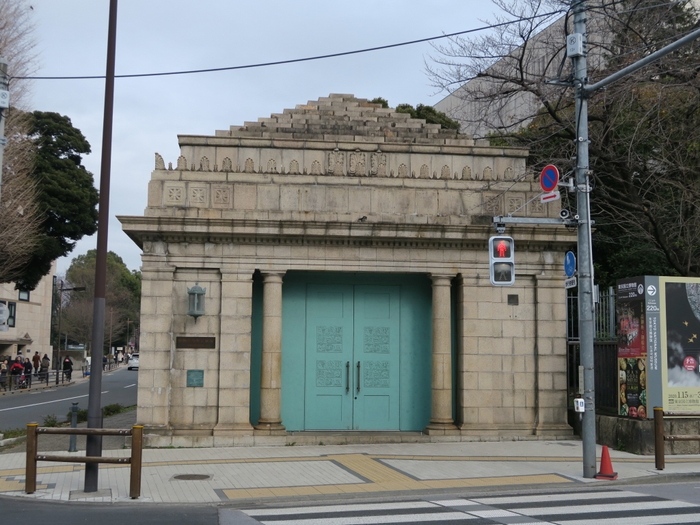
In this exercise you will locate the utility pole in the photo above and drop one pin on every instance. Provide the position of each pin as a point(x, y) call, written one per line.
point(4, 105)
point(586, 306)
point(93, 445)
point(576, 49)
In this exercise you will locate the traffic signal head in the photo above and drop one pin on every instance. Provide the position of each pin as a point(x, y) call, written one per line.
point(501, 261)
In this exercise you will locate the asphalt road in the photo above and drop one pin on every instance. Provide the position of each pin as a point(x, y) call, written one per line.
point(21, 407)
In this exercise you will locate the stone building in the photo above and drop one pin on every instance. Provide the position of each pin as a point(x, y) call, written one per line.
point(342, 249)
point(28, 327)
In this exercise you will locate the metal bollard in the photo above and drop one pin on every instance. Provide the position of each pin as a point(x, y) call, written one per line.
point(659, 445)
point(73, 424)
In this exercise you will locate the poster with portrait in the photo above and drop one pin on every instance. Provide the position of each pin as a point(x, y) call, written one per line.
point(680, 331)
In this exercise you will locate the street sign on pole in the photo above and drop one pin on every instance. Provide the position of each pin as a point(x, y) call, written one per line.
point(549, 178)
point(550, 197)
point(570, 264)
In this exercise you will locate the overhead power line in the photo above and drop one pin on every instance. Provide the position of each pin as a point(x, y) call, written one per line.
point(296, 60)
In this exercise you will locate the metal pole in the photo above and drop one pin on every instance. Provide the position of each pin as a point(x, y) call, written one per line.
point(659, 445)
point(586, 306)
point(5, 94)
point(60, 311)
point(94, 443)
point(72, 445)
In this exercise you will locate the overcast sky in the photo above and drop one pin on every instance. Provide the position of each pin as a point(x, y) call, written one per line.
point(175, 35)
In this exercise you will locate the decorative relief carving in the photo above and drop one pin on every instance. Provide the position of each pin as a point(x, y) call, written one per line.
point(378, 164)
point(198, 196)
point(204, 164)
point(222, 196)
point(160, 163)
point(488, 173)
point(226, 164)
point(445, 172)
point(336, 163)
point(537, 208)
point(358, 163)
point(514, 203)
point(329, 373)
point(294, 167)
point(315, 168)
point(376, 340)
point(329, 339)
point(271, 166)
point(509, 174)
point(249, 166)
point(424, 172)
point(492, 204)
point(466, 173)
point(181, 163)
point(174, 194)
point(403, 171)
point(375, 374)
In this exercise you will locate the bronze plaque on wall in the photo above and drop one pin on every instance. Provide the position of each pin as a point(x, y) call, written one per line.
point(195, 378)
point(195, 342)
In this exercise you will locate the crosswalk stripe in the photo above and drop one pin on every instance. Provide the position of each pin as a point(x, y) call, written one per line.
point(610, 507)
point(341, 508)
point(376, 520)
point(509, 500)
point(648, 520)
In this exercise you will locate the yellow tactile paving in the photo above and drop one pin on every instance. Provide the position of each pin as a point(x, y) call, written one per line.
point(381, 478)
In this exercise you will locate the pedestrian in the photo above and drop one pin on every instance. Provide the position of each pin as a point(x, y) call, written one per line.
point(67, 367)
point(28, 371)
point(104, 363)
point(3, 375)
point(36, 361)
point(45, 365)
point(16, 371)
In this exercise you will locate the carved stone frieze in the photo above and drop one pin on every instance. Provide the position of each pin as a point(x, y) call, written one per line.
point(358, 164)
point(174, 194)
point(222, 196)
point(336, 163)
point(198, 195)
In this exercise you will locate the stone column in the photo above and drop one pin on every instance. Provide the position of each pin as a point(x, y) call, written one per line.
point(271, 377)
point(441, 409)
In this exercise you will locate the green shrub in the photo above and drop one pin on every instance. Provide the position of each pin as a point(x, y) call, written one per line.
point(50, 421)
point(110, 410)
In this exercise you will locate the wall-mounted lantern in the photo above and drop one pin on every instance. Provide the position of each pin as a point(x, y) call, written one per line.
point(195, 301)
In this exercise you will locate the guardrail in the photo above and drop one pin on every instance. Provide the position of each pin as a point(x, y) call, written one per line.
point(660, 437)
point(136, 433)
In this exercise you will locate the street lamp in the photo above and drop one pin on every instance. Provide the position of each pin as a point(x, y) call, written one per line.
point(60, 311)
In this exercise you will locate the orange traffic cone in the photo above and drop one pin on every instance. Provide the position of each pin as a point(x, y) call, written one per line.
point(606, 469)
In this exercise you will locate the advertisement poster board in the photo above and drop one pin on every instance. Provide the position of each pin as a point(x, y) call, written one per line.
point(630, 309)
point(680, 343)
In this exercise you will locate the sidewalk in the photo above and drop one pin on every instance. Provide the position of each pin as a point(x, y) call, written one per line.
point(244, 475)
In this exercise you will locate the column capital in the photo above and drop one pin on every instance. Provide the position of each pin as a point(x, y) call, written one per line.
point(442, 279)
point(273, 276)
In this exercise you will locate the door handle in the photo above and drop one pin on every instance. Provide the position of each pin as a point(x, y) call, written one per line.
point(358, 377)
point(347, 377)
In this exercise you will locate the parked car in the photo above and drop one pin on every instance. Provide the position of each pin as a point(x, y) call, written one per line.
point(133, 362)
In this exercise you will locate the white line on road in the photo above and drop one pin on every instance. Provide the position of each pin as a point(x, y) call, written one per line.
point(46, 402)
point(129, 386)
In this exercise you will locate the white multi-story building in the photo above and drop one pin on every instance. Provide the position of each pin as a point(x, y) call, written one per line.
point(29, 322)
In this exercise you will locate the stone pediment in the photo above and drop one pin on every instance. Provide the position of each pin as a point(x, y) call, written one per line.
point(340, 158)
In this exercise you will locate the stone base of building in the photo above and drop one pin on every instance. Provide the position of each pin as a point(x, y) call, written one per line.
point(161, 437)
point(471, 432)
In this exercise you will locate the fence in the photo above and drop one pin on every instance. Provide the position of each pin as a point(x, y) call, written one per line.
point(660, 437)
point(136, 433)
point(604, 350)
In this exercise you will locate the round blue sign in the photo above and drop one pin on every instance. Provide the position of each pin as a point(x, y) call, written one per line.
point(549, 178)
point(570, 264)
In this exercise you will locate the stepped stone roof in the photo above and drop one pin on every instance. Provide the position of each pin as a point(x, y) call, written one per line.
point(347, 118)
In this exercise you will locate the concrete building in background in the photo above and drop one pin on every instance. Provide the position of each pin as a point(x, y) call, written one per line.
point(29, 323)
point(342, 252)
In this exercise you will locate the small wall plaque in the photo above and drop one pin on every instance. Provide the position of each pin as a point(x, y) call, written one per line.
point(195, 342)
point(195, 378)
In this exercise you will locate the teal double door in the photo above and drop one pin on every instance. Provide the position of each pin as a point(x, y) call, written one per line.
point(352, 355)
